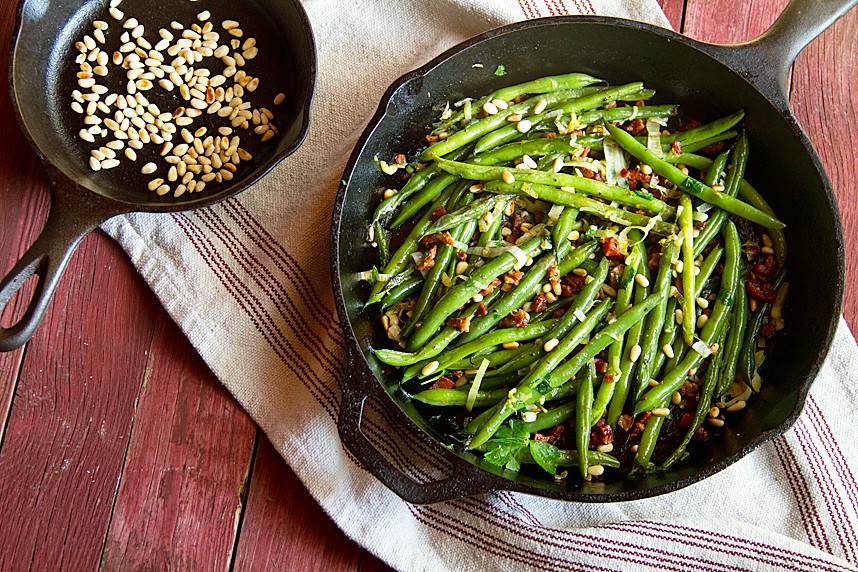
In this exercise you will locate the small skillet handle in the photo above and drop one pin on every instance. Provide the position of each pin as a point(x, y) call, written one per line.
point(359, 384)
point(767, 59)
point(71, 218)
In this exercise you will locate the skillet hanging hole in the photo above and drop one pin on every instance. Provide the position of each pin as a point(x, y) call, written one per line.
point(13, 309)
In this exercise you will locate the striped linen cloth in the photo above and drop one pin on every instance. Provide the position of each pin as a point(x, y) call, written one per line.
point(248, 282)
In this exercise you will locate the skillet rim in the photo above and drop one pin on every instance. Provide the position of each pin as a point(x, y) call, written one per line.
point(721, 55)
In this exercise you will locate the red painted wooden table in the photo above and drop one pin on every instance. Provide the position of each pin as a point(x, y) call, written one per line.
point(120, 450)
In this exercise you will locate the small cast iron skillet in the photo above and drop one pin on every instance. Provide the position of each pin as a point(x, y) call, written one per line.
point(707, 81)
point(42, 74)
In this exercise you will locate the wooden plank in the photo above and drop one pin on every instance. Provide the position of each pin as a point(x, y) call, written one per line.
point(284, 528)
point(825, 102)
point(183, 484)
point(674, 10)
point(24, 196)
point(68, 430)
point(823, 95)
point(729, 21)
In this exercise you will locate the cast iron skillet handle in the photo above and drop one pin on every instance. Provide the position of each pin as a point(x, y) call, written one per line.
point(71, 218)
point(466, 480)
point(767, 59)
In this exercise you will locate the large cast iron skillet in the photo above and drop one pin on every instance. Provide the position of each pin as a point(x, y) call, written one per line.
point(707, 81)
point(42, 73)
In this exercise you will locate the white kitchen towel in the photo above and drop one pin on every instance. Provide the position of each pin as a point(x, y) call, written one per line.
point(248, 282)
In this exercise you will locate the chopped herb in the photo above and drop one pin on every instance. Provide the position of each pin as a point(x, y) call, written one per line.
point(591, 232)
point(644, 195)
point(546, 455)
point(501, 70)
point(504, 449)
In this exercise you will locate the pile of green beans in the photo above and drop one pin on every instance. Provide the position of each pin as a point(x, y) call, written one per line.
point(582, 283)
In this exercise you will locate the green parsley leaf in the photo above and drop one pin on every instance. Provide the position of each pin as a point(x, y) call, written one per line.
point(504, 449)
point(546, 455)
point(643, 194)
point(501, 70)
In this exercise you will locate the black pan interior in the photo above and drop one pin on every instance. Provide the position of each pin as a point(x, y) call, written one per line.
point(782, 166)
point(43, 73)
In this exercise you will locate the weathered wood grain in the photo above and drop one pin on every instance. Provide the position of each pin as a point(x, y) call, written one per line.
point(825, 102)
point(729, 21)
point(71, 416)
point(183, 484)
point(24, 200)
point(284, 528)
point(823, 98)
point(674, 10)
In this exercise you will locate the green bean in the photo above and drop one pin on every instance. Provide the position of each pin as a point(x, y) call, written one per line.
point(425, 196)
point(698, 145)
point(498, 337)
point(509, 132)
point(432, 279)
point(583, 412)
point(582, 303)
point(417, 181)
point(710, 129)
point(707, 267)
point(433, 347)
point(568, 458)
point(552, 417)
point(689, 184)
point(753, 197)
point(686, 225)
point(678, 348)
point(478, 128)
point(407, 288)
point(580, 184)
point(480, 419)
point(655, 321)
point(533, 148)
point(668, 337)
point(747, 193)
point(528, 287)
point(472, 211)
point(626, 113)
point(561, 230)
point(710, 380)
point(381, 244)
point(615, 350)
point(462, 292)
point(747, 364)
point(541, 85)
point(562, 197)
point(731, 188)
point(649, 437)
point(720, 314)
point(400, 258)
point(535, 377)
point(738, 323)
point(496, 358)
point(603, 338)
point(633, 338)
point(457, 397)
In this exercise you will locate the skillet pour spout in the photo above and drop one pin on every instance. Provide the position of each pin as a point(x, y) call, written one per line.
point(707, 81)
point(41, 84)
